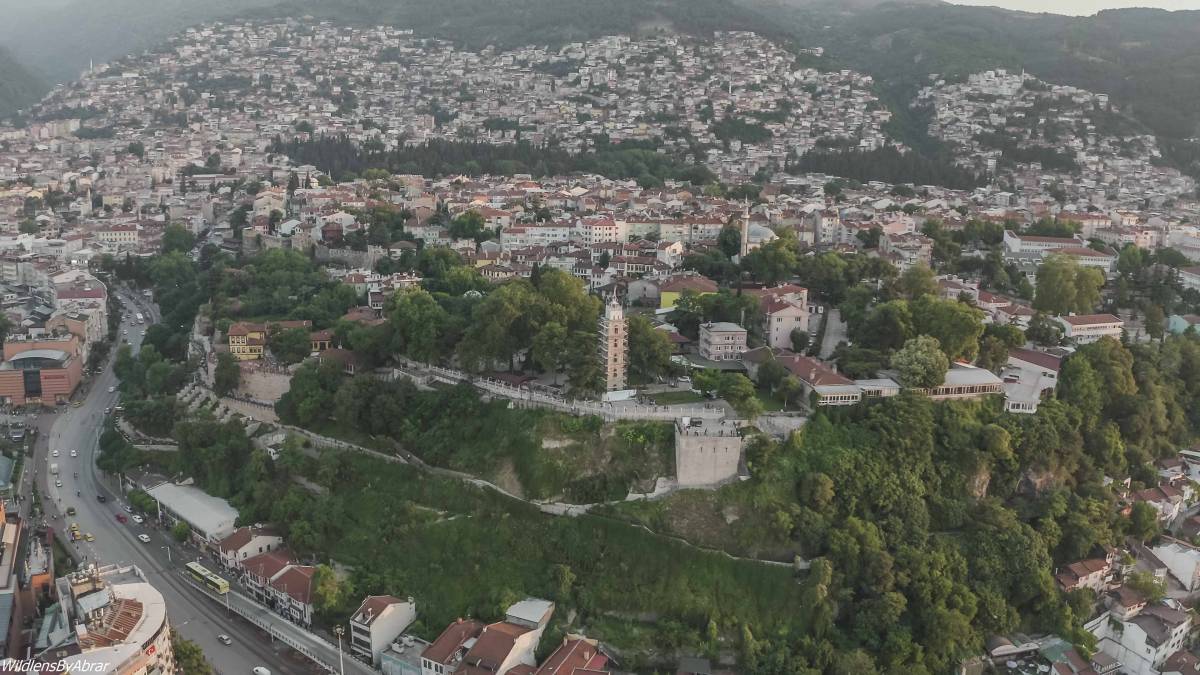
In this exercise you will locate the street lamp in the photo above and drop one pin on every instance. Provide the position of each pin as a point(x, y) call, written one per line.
point(338, 631)
point(168, 550)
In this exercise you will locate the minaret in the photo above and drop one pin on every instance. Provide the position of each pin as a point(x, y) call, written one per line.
point(614, 345)
point(745, 232)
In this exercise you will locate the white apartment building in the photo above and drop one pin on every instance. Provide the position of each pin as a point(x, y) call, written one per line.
point(722, 341)
point(1031, 244)
point(1085, 329)
point(1142, 642)
point(378, 622)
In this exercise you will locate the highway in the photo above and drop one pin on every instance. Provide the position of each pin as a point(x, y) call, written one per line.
point(193, 614)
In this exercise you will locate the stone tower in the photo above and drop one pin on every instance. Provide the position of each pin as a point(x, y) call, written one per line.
point(614, 345)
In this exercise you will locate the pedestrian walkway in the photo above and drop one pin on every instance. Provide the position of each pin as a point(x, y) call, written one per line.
point(528, 397)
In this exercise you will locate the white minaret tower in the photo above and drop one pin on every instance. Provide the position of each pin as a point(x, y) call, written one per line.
point(614, 345)
point(745, 247)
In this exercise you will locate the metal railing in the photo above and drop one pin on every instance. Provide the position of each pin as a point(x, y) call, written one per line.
point(264, 618)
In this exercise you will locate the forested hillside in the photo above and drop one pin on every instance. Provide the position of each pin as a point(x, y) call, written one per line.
point(18, 86)
point(510, 23)
point(1148, 60)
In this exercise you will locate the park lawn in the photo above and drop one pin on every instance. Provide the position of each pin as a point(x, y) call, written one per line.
point(770, 403)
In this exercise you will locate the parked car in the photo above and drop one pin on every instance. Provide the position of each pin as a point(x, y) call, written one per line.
point(144, 538)
point(138, 519)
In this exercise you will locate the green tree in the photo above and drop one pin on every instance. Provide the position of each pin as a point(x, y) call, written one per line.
point(706, 381)
point(180, 531)
point(419, 324)
point(921, 363)
point(772, 262)
point(888, 326)
point(649, 349)
point(739, 392)
point(469, 225)
point(328, 592)
point(1044, 331)
point(550, 348)
point(291, 345)
point(1143, 521)
point(585, 370)
point(1156, 321)
point(729, 241)
point(176, 237)
point(993, 354)
point(956, 325)
point(227, 374)
point(790, 389)
point(189, 658)
point(1064, 286)
point(916, 281)
point(502, 325)
point(800, 340)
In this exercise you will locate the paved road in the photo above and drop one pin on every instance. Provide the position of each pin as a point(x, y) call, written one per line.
point(192, 613)
point(835, 332)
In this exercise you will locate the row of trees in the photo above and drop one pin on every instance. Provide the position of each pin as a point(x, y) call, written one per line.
point(342, 159)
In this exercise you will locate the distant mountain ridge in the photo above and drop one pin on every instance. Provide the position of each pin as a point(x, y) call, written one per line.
point(18, 86)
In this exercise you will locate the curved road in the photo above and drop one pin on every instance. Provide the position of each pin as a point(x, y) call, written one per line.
point(191, 613)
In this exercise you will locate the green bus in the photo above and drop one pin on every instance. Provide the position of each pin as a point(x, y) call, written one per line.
point(210, 579)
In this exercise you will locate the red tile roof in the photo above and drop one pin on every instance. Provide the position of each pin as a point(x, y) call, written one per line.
point(372, 607)
point(812, 371)
point(690, 283)
point(1047, 361)
point(267, 565)
point(574, 654)
point(443, 649)
point(296, 582)
point(242, 536)
point(1090, 319)
point(494, 645)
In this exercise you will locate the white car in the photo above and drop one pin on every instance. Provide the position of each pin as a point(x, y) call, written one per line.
point(111, 389)
point(128, 508)
point(144, 538)
point(74, 453)
point(138, 519)
point(54, 454)
point(58, 483)
point(224, 639)
point(259, 670)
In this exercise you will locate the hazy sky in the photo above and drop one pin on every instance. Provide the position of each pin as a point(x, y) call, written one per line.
point(1079, 6)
